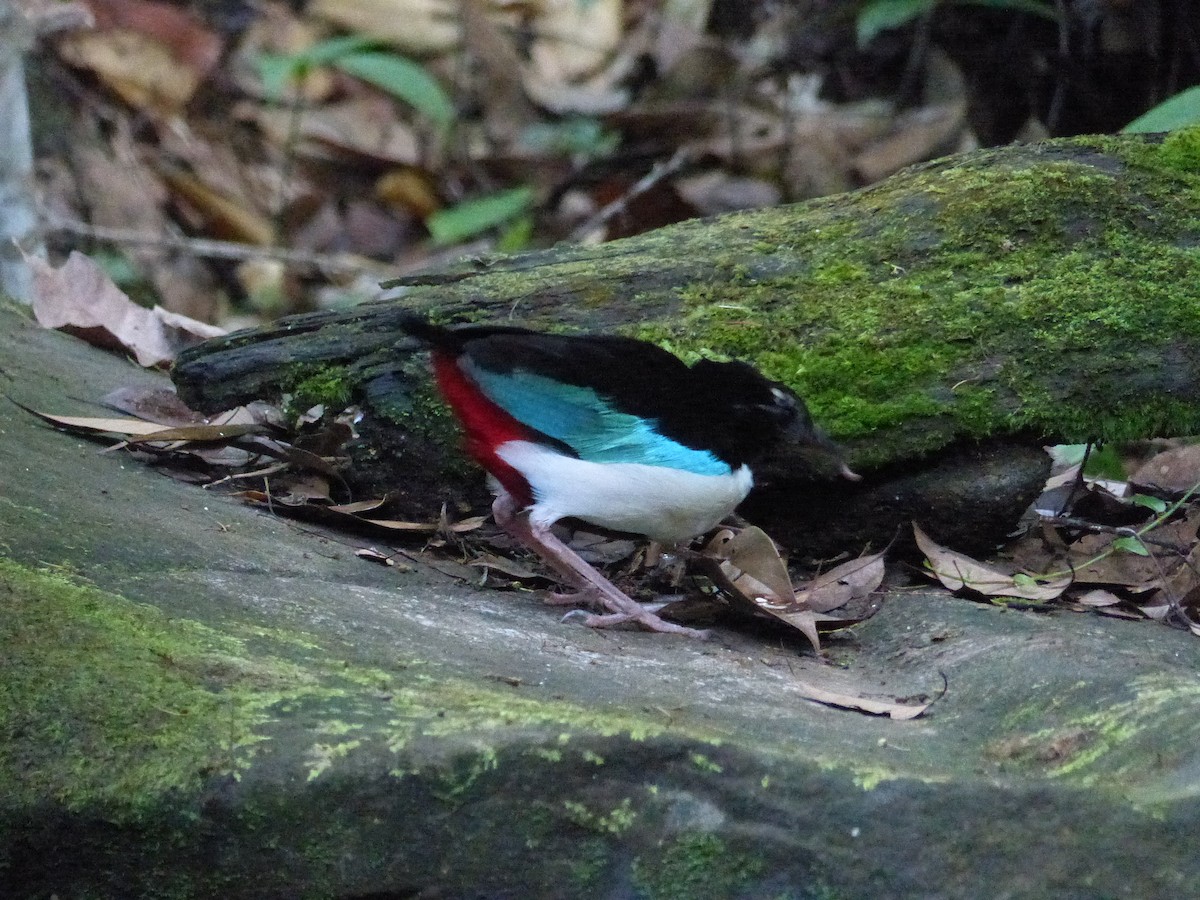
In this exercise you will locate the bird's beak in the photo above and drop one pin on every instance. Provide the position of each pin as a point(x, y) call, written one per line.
point(806, 435)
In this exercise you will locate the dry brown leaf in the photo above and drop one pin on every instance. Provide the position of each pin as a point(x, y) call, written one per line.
point(493, 48)
point(363, 128)
point(223, 216)
point(509, 567)
point(154, 404)
point(427, 527)
point(152, 55)
point(769, 589)
point(372, 555)
point(137, 68)
point(361, 506)
point(191, 43)
point(1097, 597)
point(193, 433)
point(851, 580)
point(1172, 470)
point(803, 620)
point(752, 563)
point(573, 40)
point(99, 425)
point(1119, 568)
point(306, 488)
point(958, 571)
point(889, 708)
point(421, 27)
point(81, 299)
point(917, 135)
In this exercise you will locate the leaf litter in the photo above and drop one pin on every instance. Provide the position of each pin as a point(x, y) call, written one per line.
point(1125, 549)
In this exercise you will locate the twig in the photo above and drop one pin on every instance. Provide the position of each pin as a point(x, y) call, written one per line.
point(660, 171)
point(1114, 530)
point(329, 263)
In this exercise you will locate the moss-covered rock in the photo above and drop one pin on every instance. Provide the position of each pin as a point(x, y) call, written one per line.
point(198, 700)
point(1020, 295)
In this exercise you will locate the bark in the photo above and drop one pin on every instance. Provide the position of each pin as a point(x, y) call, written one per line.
point(947, 316)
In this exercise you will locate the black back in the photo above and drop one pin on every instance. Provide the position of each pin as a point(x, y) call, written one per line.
point(728, 408)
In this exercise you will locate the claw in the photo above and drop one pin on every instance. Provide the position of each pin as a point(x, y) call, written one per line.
point(595, 588)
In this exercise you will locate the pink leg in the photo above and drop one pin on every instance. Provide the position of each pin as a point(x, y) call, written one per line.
point(581, 575)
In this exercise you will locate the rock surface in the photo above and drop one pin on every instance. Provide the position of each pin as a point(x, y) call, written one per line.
point(198, 700)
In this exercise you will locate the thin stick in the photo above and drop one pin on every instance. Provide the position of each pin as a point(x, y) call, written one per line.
point(345, 263)
point(660, 171)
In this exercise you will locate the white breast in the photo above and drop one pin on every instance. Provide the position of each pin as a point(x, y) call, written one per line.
point(667, 505)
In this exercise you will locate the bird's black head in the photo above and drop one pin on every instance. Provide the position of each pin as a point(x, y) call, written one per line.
point(750, 415)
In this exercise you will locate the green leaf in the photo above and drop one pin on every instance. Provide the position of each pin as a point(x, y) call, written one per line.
point(1105, 462)
point(1131, 545)
point(1175, 112)
point(1157, 504)
point(277, 69)
point(571, 137)
point(516, 235)
point(330, 51)
point(401, 78)
point(880, 15)
point(469, 218)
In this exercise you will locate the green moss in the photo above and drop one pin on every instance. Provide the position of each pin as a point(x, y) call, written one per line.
point(696, 864)
point(586, 864)
point(1102, 747)
point(704, 764)
point(197, 703)
point(326, 385)
point(979, 299)
point(611, 822)
point(188, 709)
point(1181, 150)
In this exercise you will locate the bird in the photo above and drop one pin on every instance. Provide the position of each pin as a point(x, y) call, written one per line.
point(610, 430)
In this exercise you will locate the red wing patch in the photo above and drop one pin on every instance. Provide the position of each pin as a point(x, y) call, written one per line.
point(487, 426)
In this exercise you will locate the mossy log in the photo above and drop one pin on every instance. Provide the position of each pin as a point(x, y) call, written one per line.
point(942, 325)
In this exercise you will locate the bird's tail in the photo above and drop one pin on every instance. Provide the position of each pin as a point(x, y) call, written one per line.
point(427, 332)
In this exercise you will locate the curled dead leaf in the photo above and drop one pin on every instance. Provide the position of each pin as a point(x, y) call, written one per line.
point(81, 299)
point(851, 580)
point(957, 571)
point(890, 708)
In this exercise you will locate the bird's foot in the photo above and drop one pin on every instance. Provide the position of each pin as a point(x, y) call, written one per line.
point(645, 619)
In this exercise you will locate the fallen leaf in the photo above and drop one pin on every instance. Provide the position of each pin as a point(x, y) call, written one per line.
point(427, 527)
point(137, 68)
point(81, 299)
point(154, 404)
point(1098, 597)
point(754, 565)
point(851, 580)
point(372, 555)
point(889, 708)
point(728, 549)
point(1172, 470)
point(957, 571)
point(224, 216)
point(361, 506)
point(191, 433)
point(508, 567)
point(190, 42)
point(420, 27)
point(93, 425)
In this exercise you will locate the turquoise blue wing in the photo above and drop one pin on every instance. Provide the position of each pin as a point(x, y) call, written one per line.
point(587, 423)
